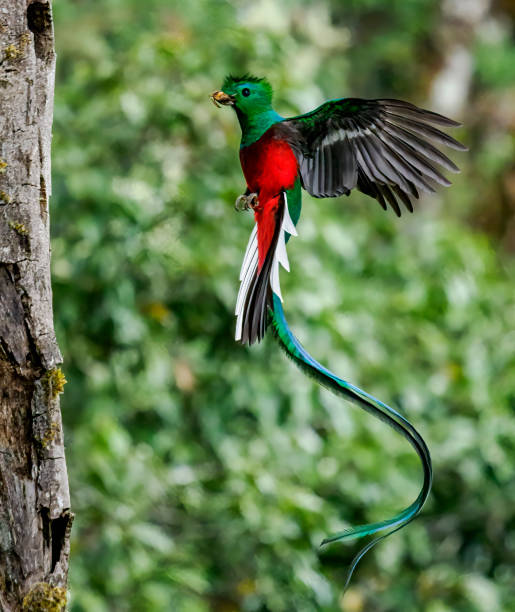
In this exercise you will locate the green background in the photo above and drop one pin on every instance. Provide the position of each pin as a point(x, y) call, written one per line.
point(205, 474)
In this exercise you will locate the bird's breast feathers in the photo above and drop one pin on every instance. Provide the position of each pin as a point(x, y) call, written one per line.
point(269, 166)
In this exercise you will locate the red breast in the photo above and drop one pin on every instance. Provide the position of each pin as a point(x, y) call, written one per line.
point(269, 166)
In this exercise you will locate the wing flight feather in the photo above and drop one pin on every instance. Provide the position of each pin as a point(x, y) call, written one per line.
point(382, 147)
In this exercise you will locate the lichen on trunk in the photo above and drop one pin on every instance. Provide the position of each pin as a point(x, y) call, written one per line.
point(35, 517)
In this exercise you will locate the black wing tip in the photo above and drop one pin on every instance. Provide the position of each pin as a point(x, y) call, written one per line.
point(458, 146)
point(421, 128)
point(424, 113)
point(396, 209)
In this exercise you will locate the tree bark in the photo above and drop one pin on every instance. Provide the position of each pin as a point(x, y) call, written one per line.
point(35, 517)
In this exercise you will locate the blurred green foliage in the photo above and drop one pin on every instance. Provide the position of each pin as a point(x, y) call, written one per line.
point(203, 474)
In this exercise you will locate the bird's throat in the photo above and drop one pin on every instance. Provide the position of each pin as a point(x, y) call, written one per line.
point(255, 125)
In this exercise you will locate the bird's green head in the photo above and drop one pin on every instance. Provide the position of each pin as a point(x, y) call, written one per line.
point(248, 95)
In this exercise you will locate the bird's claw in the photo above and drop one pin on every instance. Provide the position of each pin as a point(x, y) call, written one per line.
point(246, 202)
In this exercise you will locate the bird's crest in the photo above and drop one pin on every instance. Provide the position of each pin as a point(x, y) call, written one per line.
point(246, 78)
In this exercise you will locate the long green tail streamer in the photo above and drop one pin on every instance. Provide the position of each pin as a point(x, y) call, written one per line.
point(373, 406)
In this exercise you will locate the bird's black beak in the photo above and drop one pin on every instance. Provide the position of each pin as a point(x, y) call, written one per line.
point(219, 97)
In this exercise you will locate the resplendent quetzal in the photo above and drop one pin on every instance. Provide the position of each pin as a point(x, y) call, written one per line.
point(381, 147)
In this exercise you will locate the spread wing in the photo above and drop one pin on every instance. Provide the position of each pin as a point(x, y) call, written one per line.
point(382, 147)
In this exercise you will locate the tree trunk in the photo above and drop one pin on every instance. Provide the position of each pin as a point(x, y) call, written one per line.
point(35, 517)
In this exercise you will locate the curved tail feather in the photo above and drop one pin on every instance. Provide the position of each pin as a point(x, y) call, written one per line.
point(373, 406)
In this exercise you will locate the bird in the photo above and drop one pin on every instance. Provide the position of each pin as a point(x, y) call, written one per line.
point(385, 148)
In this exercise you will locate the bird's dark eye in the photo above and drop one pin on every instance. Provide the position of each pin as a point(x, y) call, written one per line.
point(245, 92)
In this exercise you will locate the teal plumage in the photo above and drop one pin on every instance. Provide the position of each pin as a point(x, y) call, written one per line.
point(380, 147)
point(295, 351)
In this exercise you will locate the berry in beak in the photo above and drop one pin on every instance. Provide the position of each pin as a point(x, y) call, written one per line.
point(219, 97)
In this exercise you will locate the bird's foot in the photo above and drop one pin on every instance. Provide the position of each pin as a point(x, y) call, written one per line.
point(246, 202)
